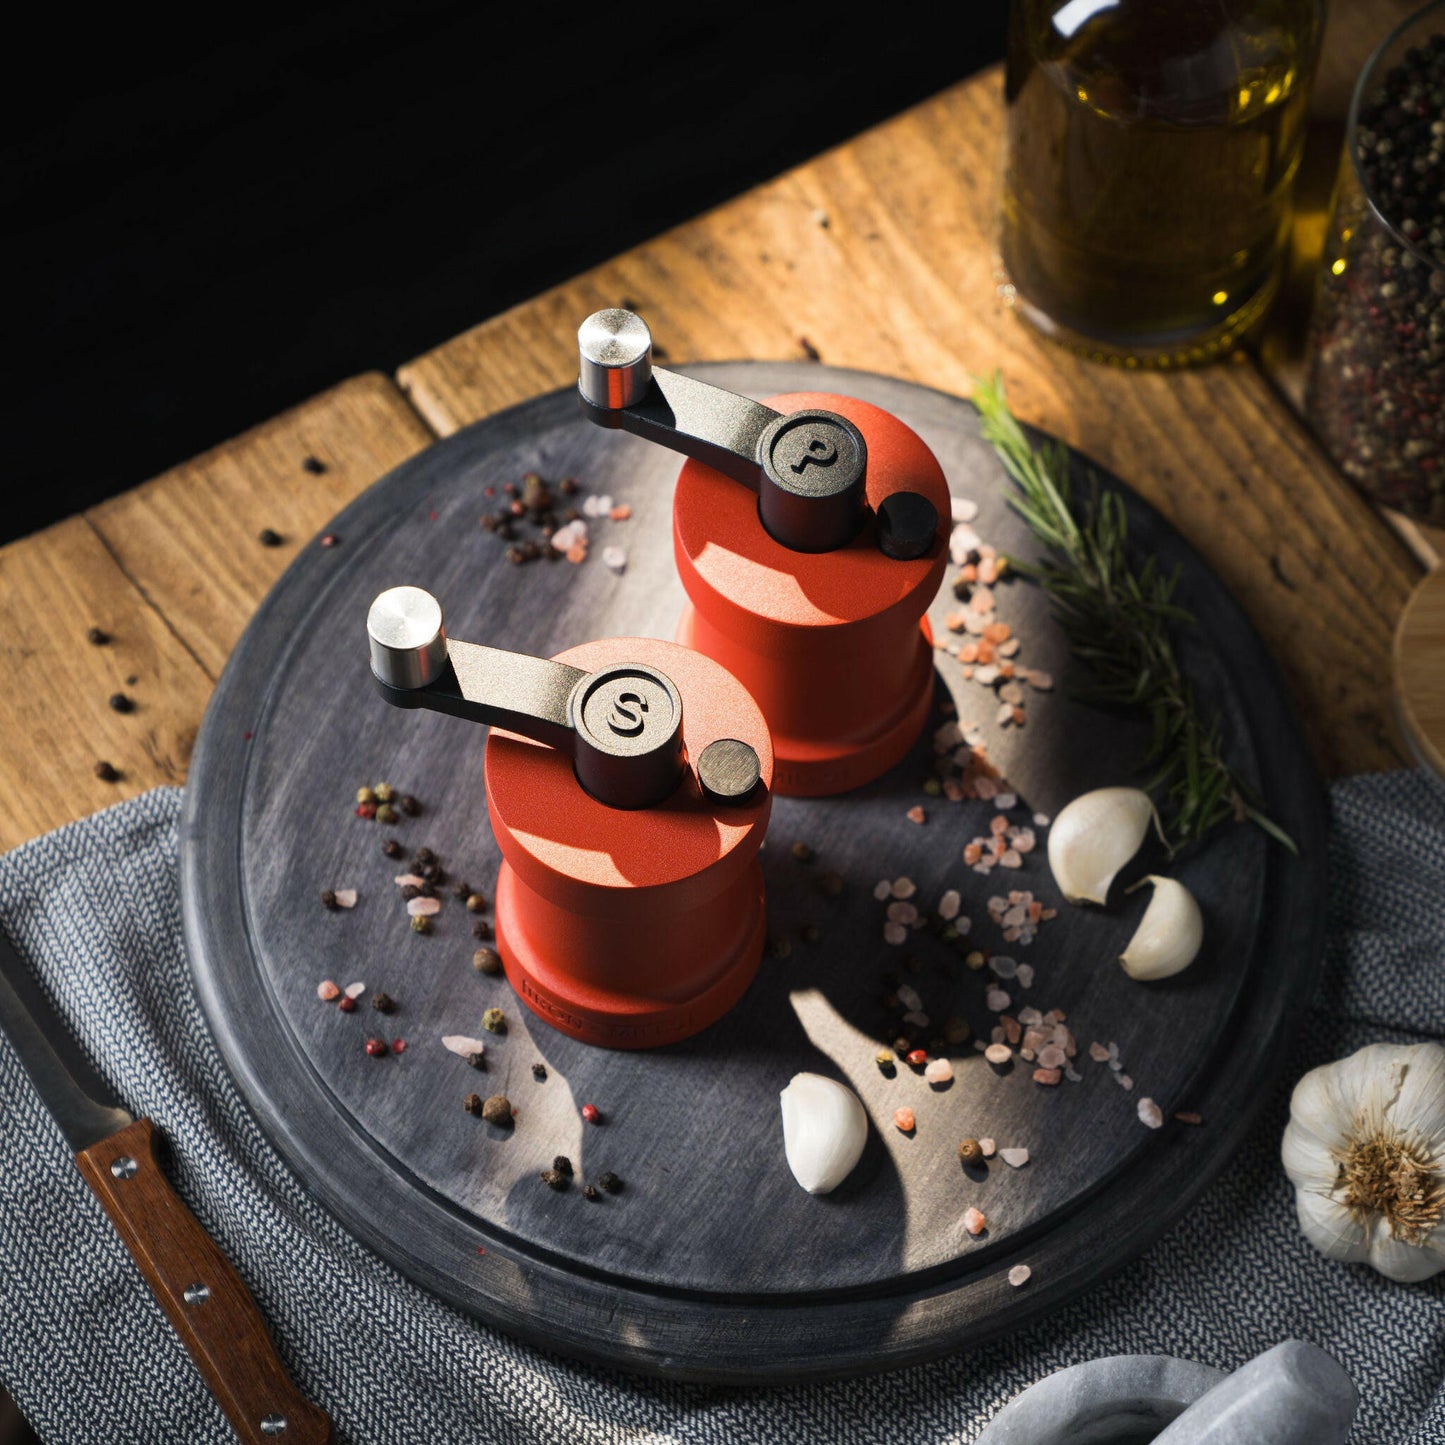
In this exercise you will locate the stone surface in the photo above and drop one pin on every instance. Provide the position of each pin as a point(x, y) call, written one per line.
point(1119, 1400)
point(1294, 1394)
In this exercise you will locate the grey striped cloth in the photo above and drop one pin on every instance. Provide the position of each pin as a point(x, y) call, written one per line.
point(89, 1356)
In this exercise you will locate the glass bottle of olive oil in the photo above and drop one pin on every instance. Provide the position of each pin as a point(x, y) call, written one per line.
point(1152, 147)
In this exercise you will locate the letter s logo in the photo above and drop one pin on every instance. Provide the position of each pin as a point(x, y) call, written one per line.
point(623, 720)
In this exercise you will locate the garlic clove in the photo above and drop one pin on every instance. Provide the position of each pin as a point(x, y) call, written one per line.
point(1416, 1109)
point(1336, 1231)
point(824, 1131)
point(1168, 936)
point(1402, 1261)
point(1094, 836)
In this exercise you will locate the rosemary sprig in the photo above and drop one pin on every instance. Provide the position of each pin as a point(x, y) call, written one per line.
point(1119, 621)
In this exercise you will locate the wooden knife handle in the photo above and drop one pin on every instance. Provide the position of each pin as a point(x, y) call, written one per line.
point(207, 1304)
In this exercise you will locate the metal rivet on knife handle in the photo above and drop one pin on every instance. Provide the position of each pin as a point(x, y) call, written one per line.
point(197, 1294)
point(273, 1425)
point(124, 1168)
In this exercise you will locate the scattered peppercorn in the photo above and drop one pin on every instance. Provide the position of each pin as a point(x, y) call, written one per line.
point(314, 465)
point(385, 813)
point(393, 849)
point(589, 1193)
point(568, 486)
point(424, 857)
point(410, 891)
point(269, 538)
point(970, 1151)
point(377, 1047)
point(886, 1061)
point(365, 795)
point(383, 1003)
point(917, 1058)
point(494, 1021)
point(366, 810)
point(106, 773)
point(610, 1182)
point(832, 884)
point(478, 1062)
point(409, 805)
point(563, 1165)
point(539, 1072)
point(591, 1113)
point(476, 903)
point(481, 929)
point(488, 961)
point(97, 636)
point(462, 891)
point(421, 924)
point(554, 1179)
point(385, 793)
point(802, 852)
point(346, 1005)
point(328, 899)
point(119, 702)
point(498, 1110)
point(472, 1103)
point(330, 539)
point(780, 947)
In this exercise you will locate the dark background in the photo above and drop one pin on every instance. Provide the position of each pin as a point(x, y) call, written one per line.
point(208, 227)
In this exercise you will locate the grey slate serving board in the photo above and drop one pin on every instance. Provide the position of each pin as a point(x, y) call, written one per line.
point(712, 1264)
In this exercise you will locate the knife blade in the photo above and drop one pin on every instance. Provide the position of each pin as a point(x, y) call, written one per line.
point(202, 1295)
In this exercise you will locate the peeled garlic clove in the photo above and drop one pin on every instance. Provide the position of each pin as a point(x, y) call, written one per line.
point(1169, 934)
point(1094, 837)
point(824, 1130)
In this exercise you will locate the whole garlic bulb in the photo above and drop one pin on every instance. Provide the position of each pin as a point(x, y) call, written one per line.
point(1094, 836)
point(824, 1131)
point(1365, 1151)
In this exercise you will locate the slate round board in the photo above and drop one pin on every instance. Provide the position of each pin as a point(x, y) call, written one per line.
point(712, 1264)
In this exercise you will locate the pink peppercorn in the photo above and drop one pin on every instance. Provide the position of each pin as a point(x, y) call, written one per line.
point(398, 1046)
point(346, 1005)
point(592, 1113)
point(918, 1058)
point(376, 1047)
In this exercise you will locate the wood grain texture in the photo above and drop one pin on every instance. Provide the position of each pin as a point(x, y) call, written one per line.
point(189, 539)
point(54, 715)
point(1420, 670)
point(711, 1263)
point(219, 1325)
point(879, 255)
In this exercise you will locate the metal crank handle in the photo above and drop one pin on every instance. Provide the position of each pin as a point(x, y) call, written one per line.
point(622, 726)
point(809, 468)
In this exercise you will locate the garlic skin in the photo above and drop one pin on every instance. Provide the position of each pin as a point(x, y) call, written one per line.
point(1094, 837)
point(824, 1131)
point(1168, 936)
point(1365, 1151)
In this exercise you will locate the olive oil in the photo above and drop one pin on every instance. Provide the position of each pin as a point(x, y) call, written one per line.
point(1152, 147)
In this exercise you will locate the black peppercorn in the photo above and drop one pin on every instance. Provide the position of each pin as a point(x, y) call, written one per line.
point(393, 849)
point(314, 465)
point(539, 1072)
point(383, 1003)
point(409, 805)
point(423, 856)
point(269, 538)
point(589, 1193)
point(476, 903)
point(610, 1182)
point(106, 773)
point(461, 890)
point(119, 702)
point(328, 898)
point(97, 636)
point(410, 891)
point(488, 961)
point(832, 884)
point(563, 1165)
point(554, 1179)
point(568, 486)
point(472, 1103)
point(481, 929)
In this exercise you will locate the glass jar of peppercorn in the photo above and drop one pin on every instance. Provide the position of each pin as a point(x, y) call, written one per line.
point(1375, 392)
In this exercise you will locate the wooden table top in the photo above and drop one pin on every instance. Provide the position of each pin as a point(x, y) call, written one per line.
point(877, 255)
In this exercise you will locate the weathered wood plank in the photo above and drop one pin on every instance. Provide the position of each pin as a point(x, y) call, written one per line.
point(879, 255)
point(55, 718)
point(190, 538)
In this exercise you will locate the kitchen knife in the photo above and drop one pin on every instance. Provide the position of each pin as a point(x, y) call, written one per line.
point(203, 1297)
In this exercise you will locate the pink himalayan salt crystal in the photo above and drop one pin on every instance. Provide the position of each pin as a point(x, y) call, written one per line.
point(1012, 859)
point(909, 996)
point(882, 889)
point(1150, 1114)
point(974, 1221)
point(1051, 1057)
point(998, 824)
point(355, 990)
point(412, 880)
point(1014, 1158)
point(327, 991)
point(1019, 1275)
point(345, 897)
point(904, 1121)
point(1048, 1076)
point(939, 1071)
point(997, 1000)
point(1026, 975)
point(423, 907)
point(1011, 1030)
point(901, 911)
point(988, 1147)
point(904, 888)
point(463, 1046)
point(998, 1054)
point(1098, 1053)
point(949, 905)
point(916, 814)
point(894, 933)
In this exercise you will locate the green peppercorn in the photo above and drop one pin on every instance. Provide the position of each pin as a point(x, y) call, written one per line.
point(385, 813)
point(498, 1110)
point(421, 925)
point(886, 1061)
point(494, 1021)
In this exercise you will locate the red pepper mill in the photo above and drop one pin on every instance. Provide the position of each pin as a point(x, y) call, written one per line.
point(629, 784)
point(809, 581)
